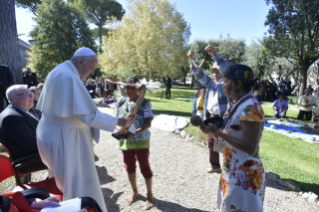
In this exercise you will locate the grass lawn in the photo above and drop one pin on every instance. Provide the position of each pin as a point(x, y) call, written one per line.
point(292, 159)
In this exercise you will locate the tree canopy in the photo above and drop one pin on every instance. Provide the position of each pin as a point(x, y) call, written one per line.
point(293, 29)
point(99, 12)
point(60, 30)
point(32, 5)
point(152, 39)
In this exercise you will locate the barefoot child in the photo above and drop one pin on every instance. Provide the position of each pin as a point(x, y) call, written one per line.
point(136, 145)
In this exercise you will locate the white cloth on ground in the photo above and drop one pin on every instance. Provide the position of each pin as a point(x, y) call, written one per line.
point(66, 131)
point(169, 123)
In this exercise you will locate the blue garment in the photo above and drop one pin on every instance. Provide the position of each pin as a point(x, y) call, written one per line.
point(194, 107)
point(207, 81)
point(281, 106)
point(281, 114)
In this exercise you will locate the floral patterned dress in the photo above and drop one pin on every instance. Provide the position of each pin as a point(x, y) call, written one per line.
point(242, 184)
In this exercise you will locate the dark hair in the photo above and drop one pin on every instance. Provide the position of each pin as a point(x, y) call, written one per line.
point(131, 79)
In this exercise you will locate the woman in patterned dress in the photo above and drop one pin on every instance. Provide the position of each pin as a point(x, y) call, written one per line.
point(242, 184)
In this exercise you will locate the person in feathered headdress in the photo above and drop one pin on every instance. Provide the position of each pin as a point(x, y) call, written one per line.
point(136, 144)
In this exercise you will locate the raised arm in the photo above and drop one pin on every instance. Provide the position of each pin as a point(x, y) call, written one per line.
point(203, 78)
point(222, 64)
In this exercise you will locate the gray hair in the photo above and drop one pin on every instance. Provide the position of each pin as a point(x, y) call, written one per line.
point(13, 90)
point(32, 89)
point(75, 59)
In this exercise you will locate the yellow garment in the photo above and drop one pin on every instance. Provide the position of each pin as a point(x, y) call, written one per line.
point(200, 103)
point(306, 100)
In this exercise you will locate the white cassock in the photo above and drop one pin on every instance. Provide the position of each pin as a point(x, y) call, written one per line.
point(70, 121)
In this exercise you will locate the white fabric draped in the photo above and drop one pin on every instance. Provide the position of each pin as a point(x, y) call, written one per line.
point(65, 134)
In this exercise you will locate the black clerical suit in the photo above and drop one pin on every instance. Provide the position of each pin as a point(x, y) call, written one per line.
point(18, 133)
point(30, 79)
point(168, 84)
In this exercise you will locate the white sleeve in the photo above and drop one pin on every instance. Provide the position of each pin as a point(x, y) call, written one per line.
point(100, 120)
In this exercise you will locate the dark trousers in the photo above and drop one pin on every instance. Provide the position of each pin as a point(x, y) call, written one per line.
point(302, 113)
point(213, 156)
point(89, 202)
point(168, 92)
point(142, 155)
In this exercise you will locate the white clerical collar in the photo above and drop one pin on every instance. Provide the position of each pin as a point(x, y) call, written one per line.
point(73, 68)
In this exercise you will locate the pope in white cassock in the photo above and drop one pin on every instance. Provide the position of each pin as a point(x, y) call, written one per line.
point(70, 122)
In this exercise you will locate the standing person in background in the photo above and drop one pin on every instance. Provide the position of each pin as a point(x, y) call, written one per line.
point(197, 93)
point(268, 90)
point(200, 103)
point(215, 100)
point(168, 83)
point(305, 103)
point(30, 78)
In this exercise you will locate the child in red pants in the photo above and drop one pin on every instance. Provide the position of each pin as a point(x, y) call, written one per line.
point(137, 142)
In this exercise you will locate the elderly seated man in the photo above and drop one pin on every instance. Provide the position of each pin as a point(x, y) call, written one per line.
point(18, 126)
point(280, 106)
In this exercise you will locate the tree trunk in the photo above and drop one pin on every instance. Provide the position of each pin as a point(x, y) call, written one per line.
point(9, 43)
point(303, 74)
point(184, 75)
point(193, 79)
point(100, 35)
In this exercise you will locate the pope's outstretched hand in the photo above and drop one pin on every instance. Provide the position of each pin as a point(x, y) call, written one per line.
point(126, 122)
point(210, 50)
point(191, 54)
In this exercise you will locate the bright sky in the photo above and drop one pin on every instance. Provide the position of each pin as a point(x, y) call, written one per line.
point(208, 18)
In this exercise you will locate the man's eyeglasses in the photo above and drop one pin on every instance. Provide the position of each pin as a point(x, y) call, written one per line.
point(30, 95)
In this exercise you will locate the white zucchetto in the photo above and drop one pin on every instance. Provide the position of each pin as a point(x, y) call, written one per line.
point(84, 51)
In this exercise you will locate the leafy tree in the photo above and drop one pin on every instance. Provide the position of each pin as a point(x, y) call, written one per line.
point(32, 5)
point(152, 38)
point(259, 59)
point(9, 43)
point(60, 30)
point(99, 12)
point(293, 28)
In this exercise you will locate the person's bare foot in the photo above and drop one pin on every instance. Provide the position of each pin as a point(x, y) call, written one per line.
point(132, 197)
point(149, 202)
point(213, 170)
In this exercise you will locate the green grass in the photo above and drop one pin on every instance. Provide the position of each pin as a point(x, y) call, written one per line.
point(292, 159)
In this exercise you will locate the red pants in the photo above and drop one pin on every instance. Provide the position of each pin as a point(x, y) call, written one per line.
point(142, 155)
